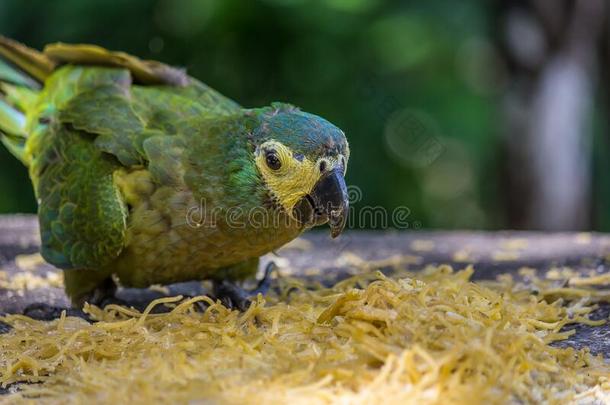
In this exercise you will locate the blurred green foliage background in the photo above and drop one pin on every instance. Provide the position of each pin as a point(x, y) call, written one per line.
point(376, 69)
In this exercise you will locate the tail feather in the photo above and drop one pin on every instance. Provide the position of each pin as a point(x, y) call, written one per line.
point(9, 74)
point(35, 64)
point(12, 121)
point(21, 72)
point(15, 145)
point(22, 98)
point(12, 129)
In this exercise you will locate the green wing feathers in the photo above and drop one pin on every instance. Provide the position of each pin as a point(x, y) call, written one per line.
point(82, 215)
point(81, 211)
point(23, 71)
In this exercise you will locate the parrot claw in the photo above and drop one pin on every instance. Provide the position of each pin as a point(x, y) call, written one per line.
point(199, 306)
point(265, 283)
point(233, 296)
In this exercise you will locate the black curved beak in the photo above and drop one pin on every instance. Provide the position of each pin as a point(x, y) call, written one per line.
point(328, 202)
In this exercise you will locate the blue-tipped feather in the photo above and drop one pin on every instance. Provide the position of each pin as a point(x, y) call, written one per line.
point(10, 74)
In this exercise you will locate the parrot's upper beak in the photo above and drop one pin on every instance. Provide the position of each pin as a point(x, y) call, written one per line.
point(328, 202)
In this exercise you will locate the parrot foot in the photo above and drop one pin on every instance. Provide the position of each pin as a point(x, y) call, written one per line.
point(234, 297)
point(45, 312)
point(101, 296)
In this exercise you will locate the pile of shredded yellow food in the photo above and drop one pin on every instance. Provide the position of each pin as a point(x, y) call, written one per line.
point(432, 337)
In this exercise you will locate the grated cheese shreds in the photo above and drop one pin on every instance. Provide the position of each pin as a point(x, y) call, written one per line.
point(432, 337)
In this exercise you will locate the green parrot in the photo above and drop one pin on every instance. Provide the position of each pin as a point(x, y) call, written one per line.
point(146, 175)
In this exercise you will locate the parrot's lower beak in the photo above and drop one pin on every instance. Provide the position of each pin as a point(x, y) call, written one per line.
point(328, 202)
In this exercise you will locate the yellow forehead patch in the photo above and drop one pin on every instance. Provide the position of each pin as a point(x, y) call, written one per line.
point(295, 178)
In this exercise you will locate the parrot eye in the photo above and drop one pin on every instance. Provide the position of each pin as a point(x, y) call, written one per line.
point(272, 160)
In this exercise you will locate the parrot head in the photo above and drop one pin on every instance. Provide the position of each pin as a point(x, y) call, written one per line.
point(302, 160)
